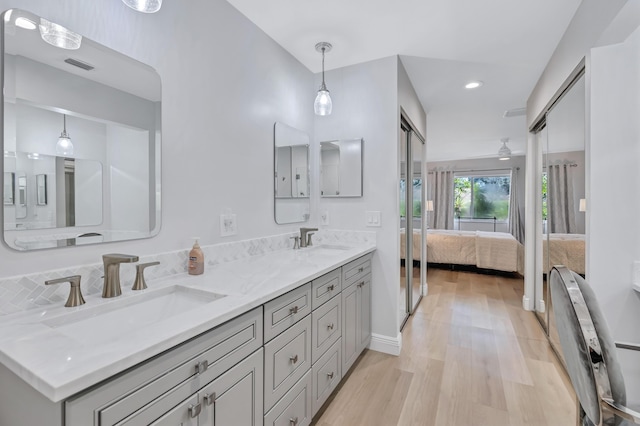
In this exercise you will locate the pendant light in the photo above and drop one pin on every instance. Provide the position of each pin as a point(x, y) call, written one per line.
point(64, 147)
point(504, 153)
point(145, 6)
point(323, 104)
point(58, 36)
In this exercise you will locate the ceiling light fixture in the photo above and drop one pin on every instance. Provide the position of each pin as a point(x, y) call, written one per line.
point(58, 36)
point(473, 84)
point(323, 104)
point(145, 6)
point(504, 153)
point(64, 147)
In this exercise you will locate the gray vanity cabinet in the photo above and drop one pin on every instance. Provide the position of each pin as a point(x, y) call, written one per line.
point(356, 310)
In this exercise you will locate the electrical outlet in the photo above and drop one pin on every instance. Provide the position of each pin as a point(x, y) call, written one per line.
point(228, 225)
point(324, 218)
point(373, 218)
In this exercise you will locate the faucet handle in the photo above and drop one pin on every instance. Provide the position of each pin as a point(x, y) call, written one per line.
point(140, 283)
point(309, 242)
point(75, 294)
point(296, 242)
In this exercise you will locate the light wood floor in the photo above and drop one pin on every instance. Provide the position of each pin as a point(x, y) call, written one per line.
point(470, 356)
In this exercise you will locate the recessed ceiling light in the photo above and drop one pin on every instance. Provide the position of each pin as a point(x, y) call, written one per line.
point(473, 84)
point(25, 23)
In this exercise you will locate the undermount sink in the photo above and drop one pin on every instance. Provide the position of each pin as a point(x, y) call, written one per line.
point(115, 319)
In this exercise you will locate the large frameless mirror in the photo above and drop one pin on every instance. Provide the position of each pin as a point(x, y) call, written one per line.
point(82, 138)
point(341, 168)
point(291, 171)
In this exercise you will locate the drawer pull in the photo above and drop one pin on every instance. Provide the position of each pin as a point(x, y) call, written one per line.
point(330, 287)
point(294, 359)
point(293, 421)
point(201, 367)
point(330, 375)
point(293, 310)
point(360, 269)
point(209, 399)
point(360, 285)
point(330, 326)
point(194, 410)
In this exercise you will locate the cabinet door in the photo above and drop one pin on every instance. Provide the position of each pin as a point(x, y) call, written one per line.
point(350, 320)
point(364, 303)
point(181, 415)
point(235, 398)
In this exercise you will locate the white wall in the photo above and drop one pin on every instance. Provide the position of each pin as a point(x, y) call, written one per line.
point(220, 101)
point(365, 100)
point(613, 204)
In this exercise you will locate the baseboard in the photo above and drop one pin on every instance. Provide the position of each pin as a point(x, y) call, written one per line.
point(526, 304)
point(386, 344)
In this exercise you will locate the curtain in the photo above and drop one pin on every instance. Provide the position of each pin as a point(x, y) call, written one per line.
point(561, 213)
point(516, 227)
point(441, 192)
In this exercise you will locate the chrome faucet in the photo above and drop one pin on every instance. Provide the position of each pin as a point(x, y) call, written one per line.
point(112, 272)
point(305, 236)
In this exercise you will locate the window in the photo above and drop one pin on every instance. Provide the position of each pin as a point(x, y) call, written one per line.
point(417, 197)
point(482, 197)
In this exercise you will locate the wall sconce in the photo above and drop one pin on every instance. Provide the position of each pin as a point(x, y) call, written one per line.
point(323, 104)
point(429, 206)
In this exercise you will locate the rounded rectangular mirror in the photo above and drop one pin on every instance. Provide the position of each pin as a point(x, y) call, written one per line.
point(291, 171)
point(82, 131)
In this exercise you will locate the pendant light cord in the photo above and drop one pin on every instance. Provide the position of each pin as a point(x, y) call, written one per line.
point(323, 49)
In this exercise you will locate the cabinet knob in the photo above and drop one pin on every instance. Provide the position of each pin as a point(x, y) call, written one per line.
point(330, 375)
point(293, 421)
point(194, 410)
point(293, 310)
point(201, 367)
point(294, 359)
point(360, 285)
point(330, 287)
point(330, 326)
point(360, 269)
point(209, 399)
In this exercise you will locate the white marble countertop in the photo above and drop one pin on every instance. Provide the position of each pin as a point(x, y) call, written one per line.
point(60, 364)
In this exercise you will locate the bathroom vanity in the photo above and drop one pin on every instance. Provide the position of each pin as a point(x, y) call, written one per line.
point(257, 341)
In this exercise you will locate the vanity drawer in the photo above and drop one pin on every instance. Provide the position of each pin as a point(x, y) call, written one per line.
point(201, 359)
point(354, 271)
point(284, 311)
point(325, 287)
point(286, 359)
point(327, 328)
point(295, 407)
point(326, 375)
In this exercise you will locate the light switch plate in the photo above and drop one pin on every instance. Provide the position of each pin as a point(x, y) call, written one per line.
point(373, 218)
point(324, 218)
point(228, 225)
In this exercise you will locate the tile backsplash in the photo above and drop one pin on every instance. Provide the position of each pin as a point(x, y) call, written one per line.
point(25, 292)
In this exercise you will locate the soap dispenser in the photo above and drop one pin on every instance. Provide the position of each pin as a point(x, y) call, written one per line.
point(196, 259)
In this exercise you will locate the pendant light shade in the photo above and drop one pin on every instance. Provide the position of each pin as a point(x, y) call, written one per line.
point(504, 153)
point(323, 104)
point(145, 6)
point(58, 36)
point(64, 147)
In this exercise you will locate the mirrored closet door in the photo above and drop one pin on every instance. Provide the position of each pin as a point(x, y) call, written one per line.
point(412, 222)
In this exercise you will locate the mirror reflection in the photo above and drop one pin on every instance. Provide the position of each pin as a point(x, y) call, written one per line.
point(341, 168)
point(82, 134)
point(9, 188)
point(291, 171)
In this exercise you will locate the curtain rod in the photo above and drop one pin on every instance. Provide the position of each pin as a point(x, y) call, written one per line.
point(476, 170)
point(564, 164)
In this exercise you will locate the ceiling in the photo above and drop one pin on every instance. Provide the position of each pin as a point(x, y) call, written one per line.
point(443, 44)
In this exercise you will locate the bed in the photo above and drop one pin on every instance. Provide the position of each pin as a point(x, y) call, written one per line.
point(565, 249)
point(499, 251)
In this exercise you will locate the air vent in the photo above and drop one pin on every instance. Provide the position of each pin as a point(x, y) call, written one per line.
point(79, 64)
point(516, 112)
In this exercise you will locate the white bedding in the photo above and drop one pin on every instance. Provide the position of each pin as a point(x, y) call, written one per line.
point(490, 250)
